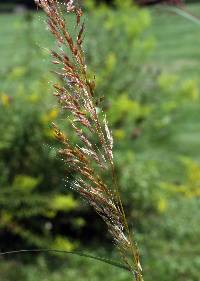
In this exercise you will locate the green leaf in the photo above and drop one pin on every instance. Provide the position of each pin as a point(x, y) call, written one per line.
point(25, 183)
point(64, 203)
point(105, 260)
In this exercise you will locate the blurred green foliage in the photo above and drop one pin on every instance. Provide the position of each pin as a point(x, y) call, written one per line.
point(30, 169)
point(147, 106)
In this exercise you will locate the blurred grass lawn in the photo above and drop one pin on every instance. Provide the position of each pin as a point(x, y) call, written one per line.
point(177, 51)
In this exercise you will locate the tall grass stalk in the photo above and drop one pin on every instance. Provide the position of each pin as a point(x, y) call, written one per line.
point(94, 157)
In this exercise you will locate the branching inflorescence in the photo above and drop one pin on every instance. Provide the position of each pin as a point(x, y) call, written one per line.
point(76, 96)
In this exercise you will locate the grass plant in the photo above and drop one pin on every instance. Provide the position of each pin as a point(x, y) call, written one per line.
point(94, 158)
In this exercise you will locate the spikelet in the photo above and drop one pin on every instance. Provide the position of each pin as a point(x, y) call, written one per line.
point(76, 96)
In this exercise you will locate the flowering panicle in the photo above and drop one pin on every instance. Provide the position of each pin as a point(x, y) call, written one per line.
point(76, 95)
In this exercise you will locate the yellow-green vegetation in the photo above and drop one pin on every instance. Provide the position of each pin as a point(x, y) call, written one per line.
point(147, 64)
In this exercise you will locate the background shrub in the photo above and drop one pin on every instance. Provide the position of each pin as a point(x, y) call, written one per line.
point(153, 110)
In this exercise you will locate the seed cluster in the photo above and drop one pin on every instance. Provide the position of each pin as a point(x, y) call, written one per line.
point(76, 96)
